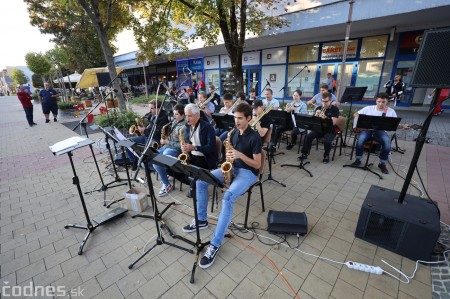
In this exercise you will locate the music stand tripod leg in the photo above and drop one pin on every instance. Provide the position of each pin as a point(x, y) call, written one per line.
point(300, 166)
point(269, 177)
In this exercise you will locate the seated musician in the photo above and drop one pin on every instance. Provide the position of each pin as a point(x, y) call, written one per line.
point(226, 109)
point(252, 96)
point(263, 125)
point(240, 97)
point(297, 107)
point(245, 154)
point(317, 99)
point(200, 139)
point(155, 111)
point(209, 107)
point(381, 136)
point(327, 110)
point(269, 100)
point(170, 146)
point(216, 98)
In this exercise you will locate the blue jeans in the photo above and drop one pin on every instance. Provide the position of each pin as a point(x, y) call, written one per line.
point(243, 179)
point(381, 137)
point(162, 170)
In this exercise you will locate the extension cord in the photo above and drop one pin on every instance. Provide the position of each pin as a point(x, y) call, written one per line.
point(364, 267)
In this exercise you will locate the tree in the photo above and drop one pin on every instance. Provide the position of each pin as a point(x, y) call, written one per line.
point(165, 25)
point(19, 76)
point(38, 64)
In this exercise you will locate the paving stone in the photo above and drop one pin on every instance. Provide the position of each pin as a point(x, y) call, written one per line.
point(93, 269)
point(178, 291)
point(15, 265)
point(30, 271)
point(49, 276)
point(57, 258)
point(154, 287)
point(110, 276)
point(316, 287)
point(112, 292)
point(131, 282)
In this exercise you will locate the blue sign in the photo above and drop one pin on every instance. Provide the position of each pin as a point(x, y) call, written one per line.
point(196, 64)
point(182, 64)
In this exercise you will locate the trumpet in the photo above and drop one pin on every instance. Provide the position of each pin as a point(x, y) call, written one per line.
point(184, 156)
point(321, 113)
point(256, 120)
point(203, 105)
point(134, 128)
point(227, 166)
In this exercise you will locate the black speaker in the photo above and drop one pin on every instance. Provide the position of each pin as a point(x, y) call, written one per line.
point(103, 79)
point(287, 222)
point(410, 229)
point(432, 68)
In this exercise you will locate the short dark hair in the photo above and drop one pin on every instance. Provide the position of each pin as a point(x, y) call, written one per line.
point(241, 95)
point(298, 91)
point(324, 86)
point(244, 108)
point(252, 90)
point(228, 96)
point(326, 95)
point(268, 89)
point(156, 103)
point(383, 95)
point(179, 108)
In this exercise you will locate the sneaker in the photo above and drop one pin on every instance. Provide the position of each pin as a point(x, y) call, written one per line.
point(326, 159)
point(169, 177)
point(383, 168)
point(55, 120)
point(209, 257)
point(165, 189)
point(356, 163)
point(47, 121)
point(303, 157)
point(290, 145)
point(191, 227)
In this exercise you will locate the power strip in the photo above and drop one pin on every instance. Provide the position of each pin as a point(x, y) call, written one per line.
point(364, 267)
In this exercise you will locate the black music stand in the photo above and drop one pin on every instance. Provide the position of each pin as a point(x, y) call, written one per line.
point(308, 123)
point(352, 94)
point(66, 147)
point(168, 162)
point(371, 123)
point(279, 118)
point(223, 121)
point(107, 131)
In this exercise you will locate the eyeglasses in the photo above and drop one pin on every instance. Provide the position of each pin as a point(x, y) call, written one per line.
point(325, 101)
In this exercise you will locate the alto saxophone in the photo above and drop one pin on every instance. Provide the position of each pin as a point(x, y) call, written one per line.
point(227, 166)
point(165, 131)
point(134, 128)
point(184, 156)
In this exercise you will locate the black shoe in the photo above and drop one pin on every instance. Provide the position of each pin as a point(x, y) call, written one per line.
point(326, 160)
point(270, 148)
point(290, 145)
point(134, 166)
point(191, 227)
point(356, 163)
point(383, 168)
point(303, 157)
point(34, 124)
point(209, 257)
point(47, 121)
point(55, 120)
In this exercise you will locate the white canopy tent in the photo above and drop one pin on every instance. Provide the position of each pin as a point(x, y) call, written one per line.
point(73, 78)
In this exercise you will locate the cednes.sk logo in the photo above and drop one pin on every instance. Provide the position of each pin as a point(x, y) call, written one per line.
point(42, 291)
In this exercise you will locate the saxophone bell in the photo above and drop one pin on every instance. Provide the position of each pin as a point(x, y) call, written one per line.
point(227, 166)
point(184, 156)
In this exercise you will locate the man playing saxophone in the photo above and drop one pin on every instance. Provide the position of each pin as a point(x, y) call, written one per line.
point(245, 154)
point(327, 110)
point(156, 118)
point(170, 145)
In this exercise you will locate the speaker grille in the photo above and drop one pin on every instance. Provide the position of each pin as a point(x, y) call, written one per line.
point(383, 231)
point(432, 67)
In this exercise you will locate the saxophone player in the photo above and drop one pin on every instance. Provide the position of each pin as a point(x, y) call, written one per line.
point(158, 118)
point(170, 146)
point(327, 110)
point(246, 156)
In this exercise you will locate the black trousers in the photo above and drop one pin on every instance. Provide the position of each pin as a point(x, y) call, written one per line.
point(328, 139)
point(294, 133)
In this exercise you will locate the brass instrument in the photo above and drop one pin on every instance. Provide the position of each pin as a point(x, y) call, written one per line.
point(321, 113)
point(203, 105)
point(134, 128)
point(184, 156)
point(227, 166)
point(256, 120)
point(155, 145)
point(237, 102)
point(165, 131)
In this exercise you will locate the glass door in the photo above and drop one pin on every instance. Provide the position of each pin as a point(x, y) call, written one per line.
point(251, 80)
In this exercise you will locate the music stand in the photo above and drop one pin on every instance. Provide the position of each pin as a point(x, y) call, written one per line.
point(309, 123)
point(104, 187)
point(223, 121)
point(67, 147)
point(352, 94)
point(168, 162)
point(279, 118)
point(371, 123)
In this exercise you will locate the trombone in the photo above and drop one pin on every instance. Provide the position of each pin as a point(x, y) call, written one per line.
point(255, 121)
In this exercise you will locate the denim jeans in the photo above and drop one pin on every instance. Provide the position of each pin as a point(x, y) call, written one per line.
point(243, 179)
point(29, 114)
point(162, 170)
point(381, 137)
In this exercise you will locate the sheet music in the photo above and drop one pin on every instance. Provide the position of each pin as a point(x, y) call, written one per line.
point(121, 137)
point(66, 144)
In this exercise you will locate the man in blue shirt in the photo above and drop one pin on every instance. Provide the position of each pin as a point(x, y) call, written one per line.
point(317, 99)
point(48, 99)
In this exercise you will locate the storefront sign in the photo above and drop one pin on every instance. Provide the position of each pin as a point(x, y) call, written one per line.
point(211, 62)
point(335, 50)
point(182, 64)
point(274, 56)
point(410, 42)
point(196, 64)
point(250, 58)
point(225, 61)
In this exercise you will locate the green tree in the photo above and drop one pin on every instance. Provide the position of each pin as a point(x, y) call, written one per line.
point(38, 63)
point(19, 76)
point(182, 20)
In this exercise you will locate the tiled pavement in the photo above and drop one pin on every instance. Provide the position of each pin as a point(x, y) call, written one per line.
point(37, 198)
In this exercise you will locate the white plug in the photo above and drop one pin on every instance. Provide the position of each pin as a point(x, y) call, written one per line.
point(364, 267)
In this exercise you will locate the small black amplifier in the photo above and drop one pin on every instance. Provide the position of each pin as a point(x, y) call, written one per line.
point(287, 223)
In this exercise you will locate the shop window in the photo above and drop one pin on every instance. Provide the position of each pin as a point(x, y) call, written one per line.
point(212, 78)
point(304, 53)
point(373, 46)
point(228, 82)
point(304, 81)
point(369, 73)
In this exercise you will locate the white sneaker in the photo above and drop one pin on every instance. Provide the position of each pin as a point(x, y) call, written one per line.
point(169, 177)
point(165, 189)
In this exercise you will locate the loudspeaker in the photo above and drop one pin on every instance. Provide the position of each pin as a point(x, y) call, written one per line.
point(103, 79)
point(432, 68)
point(287, 222)
point(410, 229)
